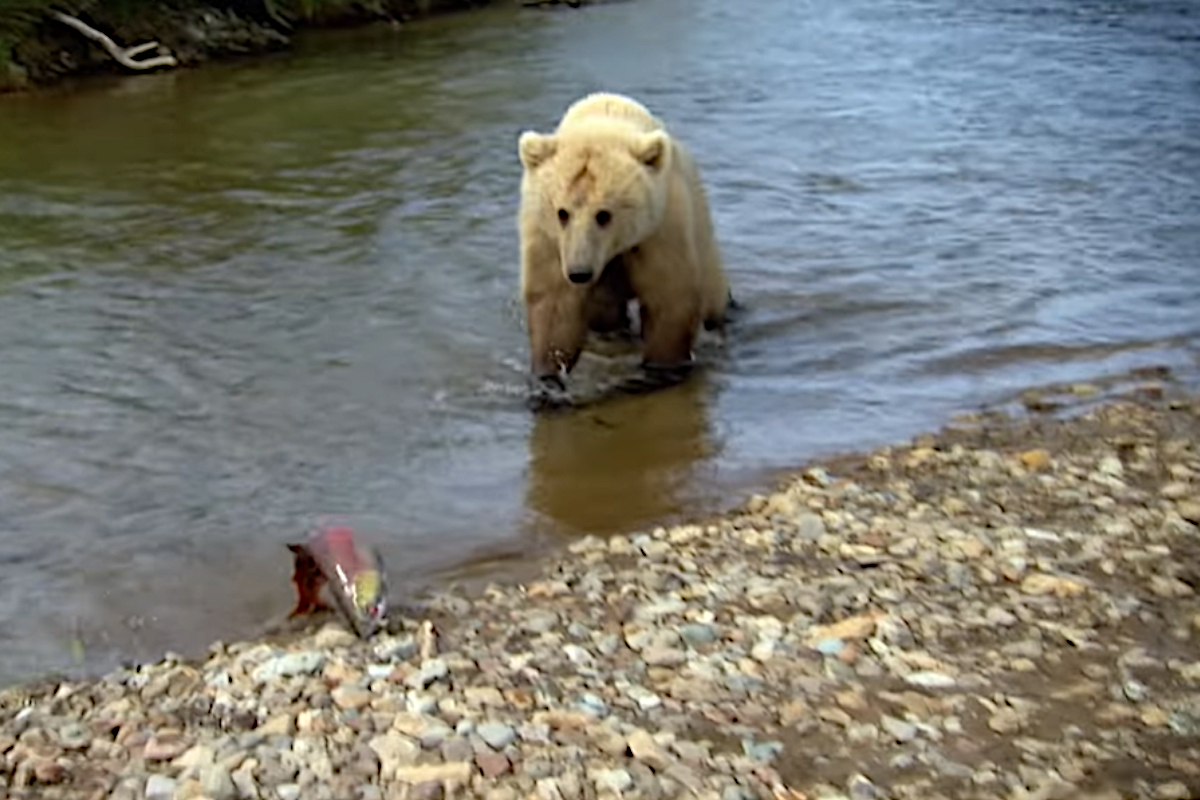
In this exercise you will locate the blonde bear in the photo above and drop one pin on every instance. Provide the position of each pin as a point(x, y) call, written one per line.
point(613, 209)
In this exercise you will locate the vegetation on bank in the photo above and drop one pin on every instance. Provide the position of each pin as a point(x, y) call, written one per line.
point(41, 40)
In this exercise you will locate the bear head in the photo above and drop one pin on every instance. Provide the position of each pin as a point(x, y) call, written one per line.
point(601, 190)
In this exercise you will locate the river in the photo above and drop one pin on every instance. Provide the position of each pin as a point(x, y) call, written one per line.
point(238, 298)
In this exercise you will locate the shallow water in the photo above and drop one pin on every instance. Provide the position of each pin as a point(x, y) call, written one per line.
point(238, 298)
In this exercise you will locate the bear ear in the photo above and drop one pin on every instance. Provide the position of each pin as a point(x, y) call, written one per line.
point(535, 149)
point(651, 150)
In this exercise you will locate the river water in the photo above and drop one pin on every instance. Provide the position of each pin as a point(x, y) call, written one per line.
point(238, 298)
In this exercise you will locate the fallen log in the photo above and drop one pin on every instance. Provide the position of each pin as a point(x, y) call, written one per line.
point(125, 56)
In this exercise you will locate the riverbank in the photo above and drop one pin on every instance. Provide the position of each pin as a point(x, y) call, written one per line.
point(1004, 609)
point(38, 49)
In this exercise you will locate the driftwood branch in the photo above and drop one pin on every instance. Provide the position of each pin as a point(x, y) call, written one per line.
point(123, 55)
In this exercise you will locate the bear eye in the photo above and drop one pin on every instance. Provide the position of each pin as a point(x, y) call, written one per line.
point(603, 218)
point(563, 215)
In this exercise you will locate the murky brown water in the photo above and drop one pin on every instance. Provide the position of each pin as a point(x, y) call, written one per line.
point(238, 298)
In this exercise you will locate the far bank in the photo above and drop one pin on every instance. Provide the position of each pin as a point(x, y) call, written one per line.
point(42, 42)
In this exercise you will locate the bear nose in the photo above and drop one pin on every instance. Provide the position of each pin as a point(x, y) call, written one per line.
point(579, 275)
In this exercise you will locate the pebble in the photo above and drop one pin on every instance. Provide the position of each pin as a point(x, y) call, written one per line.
point(762, 751)
point(1172, 790)
point(1005, 721)
point(613, 780)
point(497, 735)
point(165, 747)
point(350, 697)
point(644, 748)
point(394, 648)
point(431, 670)
point(644, 698)
point(160, 787)
point(290, 664)
point(810, 528)
point(217, 782)
point(861, 788)
point(697, 634)
point(492, 765)
point(898, 729)
point(929, 679)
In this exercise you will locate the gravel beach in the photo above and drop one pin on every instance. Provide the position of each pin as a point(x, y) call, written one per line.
point(1003, 609)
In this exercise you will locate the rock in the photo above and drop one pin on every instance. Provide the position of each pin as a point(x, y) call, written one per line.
point(492, 765)
point(861, 788)
point(304, 662)
point(1189, 510)
point(217, 782)
point(763, 752)
point(243, 781)
point(160, 787)
point(541, 622)
point(830, 647)
point(643, 747)
point(928, 679)
point(394, 751)
point(1035, 460)
point(1059, 586)
point(1175, 490)
point(457, 749)
point(1111, 465)
point(898, 729)
point(429, 790)
point(698, 635)
point(194, 758)
point(1005, 721)
point(664, 656)
point(594, 705)
point(793, 711)
point(1154, 717)
point(1165, 586)
point(614, 781)
point(497, 735)
point(351, 697)
point(1172, 790)
point(810, 527)
point(1135, 691)
point(394, 648)
point(429, 731)
point(484, 696)
point(644, 698)
point(288, 791)
point(165, 746)
point(999, 617)
point(852, 628)
point(333, 636)
point(278, 725)
point(547, 789)
point(431, 670)
point(74, 736)
point(48, 772)
point(456, 771)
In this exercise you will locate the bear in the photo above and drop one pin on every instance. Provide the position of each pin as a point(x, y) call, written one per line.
point(612, 209)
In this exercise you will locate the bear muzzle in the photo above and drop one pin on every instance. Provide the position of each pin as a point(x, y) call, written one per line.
point(580, 275)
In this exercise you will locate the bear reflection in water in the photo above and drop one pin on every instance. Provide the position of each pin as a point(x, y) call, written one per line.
point(619, 465)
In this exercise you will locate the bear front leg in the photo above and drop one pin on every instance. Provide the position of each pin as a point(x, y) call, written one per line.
point(557, 329)
point(667, 336)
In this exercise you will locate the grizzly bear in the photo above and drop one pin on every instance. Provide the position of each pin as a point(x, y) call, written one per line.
point(612, 210)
